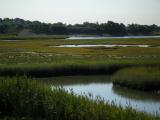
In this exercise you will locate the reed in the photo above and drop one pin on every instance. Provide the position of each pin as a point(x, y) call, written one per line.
point(23, 98)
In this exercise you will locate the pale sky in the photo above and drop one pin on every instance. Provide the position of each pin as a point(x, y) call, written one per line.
point(79, 11)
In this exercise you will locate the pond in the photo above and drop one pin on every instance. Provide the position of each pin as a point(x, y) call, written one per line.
point(101, 86)
point(107, 46)
point(98, 37)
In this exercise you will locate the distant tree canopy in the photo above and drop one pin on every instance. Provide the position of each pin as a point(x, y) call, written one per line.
point(15, 26)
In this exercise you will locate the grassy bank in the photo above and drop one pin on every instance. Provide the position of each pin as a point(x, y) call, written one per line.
point(141, 78)
point(30, 99)
point(74, 67)
point(60, 70)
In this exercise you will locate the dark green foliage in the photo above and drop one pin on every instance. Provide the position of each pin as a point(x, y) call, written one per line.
point(141, 78)
point(11, 26)
point(58, 28)
point(15, 26)
point(29, 99)
point(19, 98)
point(136, 29)
point(113, 28)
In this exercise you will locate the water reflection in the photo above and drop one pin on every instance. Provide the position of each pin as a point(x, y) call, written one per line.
point(136, 95)
point(77, 80)
point(102, 86)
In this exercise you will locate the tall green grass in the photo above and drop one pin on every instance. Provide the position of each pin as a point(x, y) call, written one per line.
point(26, 98)
point(61, 69)
point(141, 78)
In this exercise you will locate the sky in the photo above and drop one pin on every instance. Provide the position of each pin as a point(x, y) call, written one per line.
point(79, 11)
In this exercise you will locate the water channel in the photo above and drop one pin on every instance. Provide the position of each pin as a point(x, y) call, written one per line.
point(101, 86)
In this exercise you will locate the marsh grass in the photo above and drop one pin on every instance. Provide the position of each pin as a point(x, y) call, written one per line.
point(23, 98)
point(60, 69)
point(47, 65)
point(141, 78)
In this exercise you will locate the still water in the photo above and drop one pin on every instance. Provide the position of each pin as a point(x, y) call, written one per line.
point(97, 37)
point(101, 86)
point(107, 46)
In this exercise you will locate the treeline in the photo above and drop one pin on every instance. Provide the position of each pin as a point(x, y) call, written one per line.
point(15, 26)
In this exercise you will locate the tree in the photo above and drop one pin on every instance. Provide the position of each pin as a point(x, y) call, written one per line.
point(58, 28)
point(15, 26)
